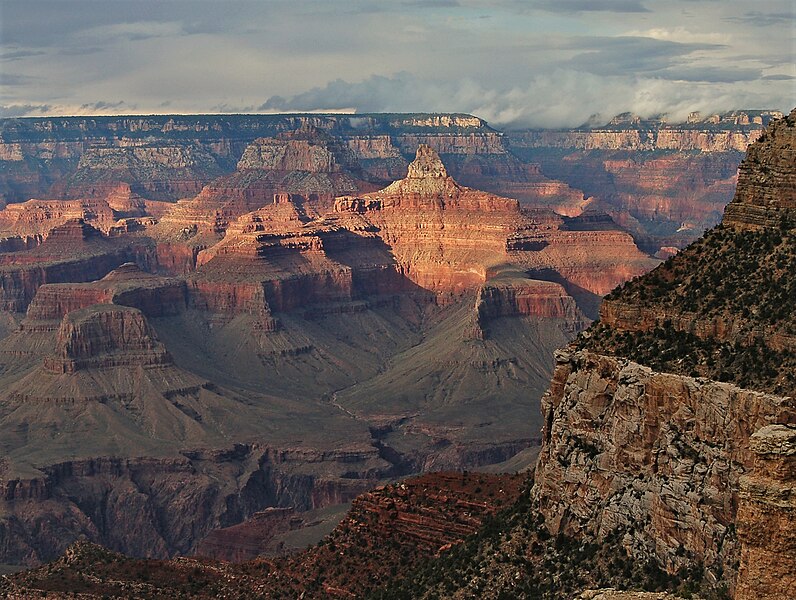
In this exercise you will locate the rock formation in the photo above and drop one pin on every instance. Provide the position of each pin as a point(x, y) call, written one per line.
point(654, 456)
point(426, 220)
point(645, 173)
point(390, 530)
point(665, 183)
point(302, 348)
point(74, 251)
point(662, 457)
point(767, 179)
point(307, 163)
point(766, 514)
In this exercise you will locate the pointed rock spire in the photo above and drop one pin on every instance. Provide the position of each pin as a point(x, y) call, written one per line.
point(427, 164)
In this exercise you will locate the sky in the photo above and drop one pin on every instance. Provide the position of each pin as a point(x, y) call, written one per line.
point(515, 63)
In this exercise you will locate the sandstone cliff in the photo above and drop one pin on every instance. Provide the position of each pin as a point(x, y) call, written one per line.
point(654, 456)
point(766, 515)
point(662, 457)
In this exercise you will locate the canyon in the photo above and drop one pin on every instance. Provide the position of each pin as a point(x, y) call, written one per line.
point(288, 338)
point(425, 312)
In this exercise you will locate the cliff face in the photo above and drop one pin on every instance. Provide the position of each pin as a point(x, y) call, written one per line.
point(654, 456)
point(671, 137)
point(664, 457)
point(664, 183)
point(767, 179)
point(74, 251)
point(766, 516)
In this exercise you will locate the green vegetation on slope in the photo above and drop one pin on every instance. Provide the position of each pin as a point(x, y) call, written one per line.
point(514, 557)
point(737, 292)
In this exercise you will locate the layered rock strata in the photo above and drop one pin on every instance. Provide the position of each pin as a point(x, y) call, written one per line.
point(663, 457)
point(427, 221)
point(74, 251)
point(767, 179)
point(655, 456)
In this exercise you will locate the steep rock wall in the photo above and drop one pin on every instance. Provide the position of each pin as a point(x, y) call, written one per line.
point(655, 457)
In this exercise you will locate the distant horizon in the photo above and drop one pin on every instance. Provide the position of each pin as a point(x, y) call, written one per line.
point(362, 114)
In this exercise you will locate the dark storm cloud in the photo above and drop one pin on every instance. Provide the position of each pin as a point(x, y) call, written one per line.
point(639, 55)
point(43, 23)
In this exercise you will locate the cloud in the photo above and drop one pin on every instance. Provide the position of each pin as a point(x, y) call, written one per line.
point(761, 19)
point(14, 79)
point(711, 74)
point(778, 77)
point(540, 62)
point(572, 6)
point(535, 103)
point(637, 55)
point(431, 3)
point(18, 54)
point(24, 110)
point(103, 106)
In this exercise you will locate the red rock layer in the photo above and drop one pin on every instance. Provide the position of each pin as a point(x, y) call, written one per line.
point(512, 296)
point(308, 163)
point(105, 335)
point(447, 237)
point(74, 251)
point(125, 286)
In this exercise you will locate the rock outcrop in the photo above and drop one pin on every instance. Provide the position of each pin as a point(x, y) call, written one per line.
point(307, 163)
point(74, 251)
point(766, 194)
point(397, 527)
point(767, 515)
point(105, 336)
point(127, 285)
point(428, 221)
point(663, 457)
point(656, 457)
point(664, 183)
